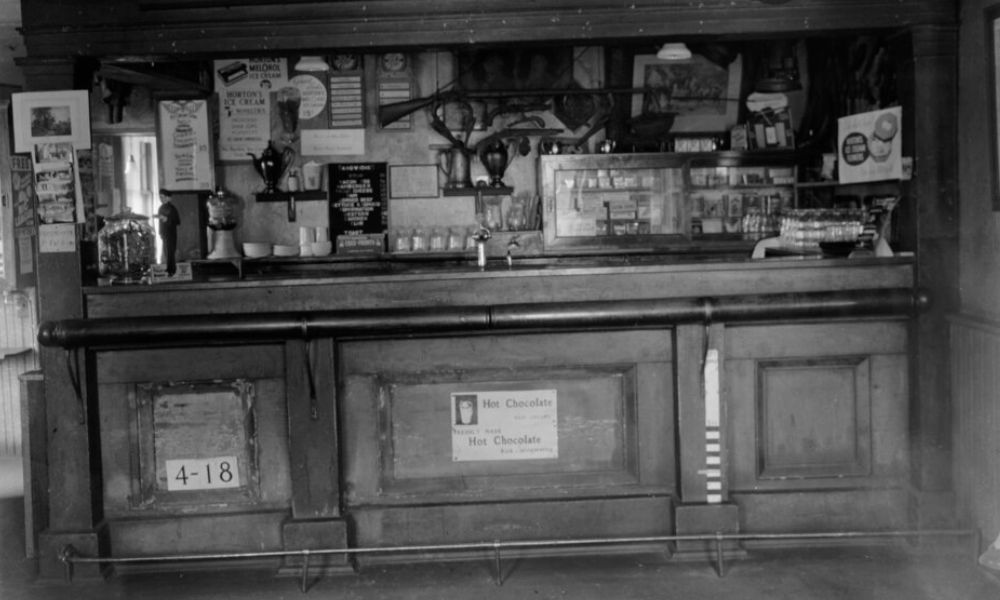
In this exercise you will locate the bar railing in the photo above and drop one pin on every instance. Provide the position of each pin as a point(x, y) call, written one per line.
point(256, 327)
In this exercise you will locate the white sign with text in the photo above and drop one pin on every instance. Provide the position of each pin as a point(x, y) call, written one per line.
point(213, 473)
point(504, 425)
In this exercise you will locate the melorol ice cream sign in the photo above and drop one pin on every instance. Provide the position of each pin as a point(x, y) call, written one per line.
point(869, 146)
point(504, 425)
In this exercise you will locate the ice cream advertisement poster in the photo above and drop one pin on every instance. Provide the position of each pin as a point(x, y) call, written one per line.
point(869, 146)
point(245, 87)
point(504, 425)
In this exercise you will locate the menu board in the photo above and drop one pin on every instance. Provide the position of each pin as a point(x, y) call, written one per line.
point(359, 206)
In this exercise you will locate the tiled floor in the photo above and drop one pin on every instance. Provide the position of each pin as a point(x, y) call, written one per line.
point(946, 572)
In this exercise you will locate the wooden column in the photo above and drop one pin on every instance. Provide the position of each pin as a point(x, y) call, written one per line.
point(311, 394)
point(704, 505)
point(75, 498)
point(931, 84)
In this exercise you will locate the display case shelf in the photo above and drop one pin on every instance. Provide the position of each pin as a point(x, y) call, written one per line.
point(672, 202)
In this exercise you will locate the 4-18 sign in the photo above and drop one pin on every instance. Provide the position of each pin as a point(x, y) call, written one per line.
point(202, 473)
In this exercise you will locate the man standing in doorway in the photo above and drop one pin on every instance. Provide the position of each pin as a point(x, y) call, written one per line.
point(168, 219)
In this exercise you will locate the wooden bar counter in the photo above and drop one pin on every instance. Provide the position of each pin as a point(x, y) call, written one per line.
point(624, 397)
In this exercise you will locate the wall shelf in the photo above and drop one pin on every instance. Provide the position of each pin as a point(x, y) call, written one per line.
point(478, 191)
point(294, 196)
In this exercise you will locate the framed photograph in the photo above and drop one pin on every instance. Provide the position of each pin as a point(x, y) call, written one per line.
point(51, 117)
point(703, 96)
point(992, 19)
point(183, 134)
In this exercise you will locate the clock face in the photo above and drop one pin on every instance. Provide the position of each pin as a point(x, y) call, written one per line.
point(394, 61)
point(345, 62)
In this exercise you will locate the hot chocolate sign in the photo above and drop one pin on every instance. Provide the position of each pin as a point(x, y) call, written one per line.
point(504, 425)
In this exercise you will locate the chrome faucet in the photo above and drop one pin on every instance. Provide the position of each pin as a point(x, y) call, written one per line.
point(482, 234)
point(513, 243)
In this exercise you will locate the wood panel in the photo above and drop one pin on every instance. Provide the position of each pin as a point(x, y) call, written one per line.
point(817, 407)
point(18, 354)
point(614, 402)
point(975, 347)
point(127, 438)
point(813, 418)
point(194, 421)
point(527, 520)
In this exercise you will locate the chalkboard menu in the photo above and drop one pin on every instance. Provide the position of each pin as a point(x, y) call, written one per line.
point(359, 206)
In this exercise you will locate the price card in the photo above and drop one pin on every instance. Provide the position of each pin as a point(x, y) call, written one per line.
point(214, 473)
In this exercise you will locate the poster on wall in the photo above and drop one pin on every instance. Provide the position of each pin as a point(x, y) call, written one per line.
point(347, 92)
point(504, 425)
point(185, 148)
point(23, 194)
point(57, 183)
point(395, 84)
point(869, 146)
point(245, 87)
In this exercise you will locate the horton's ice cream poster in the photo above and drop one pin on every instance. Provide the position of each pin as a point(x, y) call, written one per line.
point(245, 86)
point(504, 425)
point(870, 148)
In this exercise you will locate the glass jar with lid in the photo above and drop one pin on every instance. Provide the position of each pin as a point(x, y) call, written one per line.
point(126, 247)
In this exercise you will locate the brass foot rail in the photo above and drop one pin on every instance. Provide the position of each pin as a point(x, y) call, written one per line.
point(70, 556)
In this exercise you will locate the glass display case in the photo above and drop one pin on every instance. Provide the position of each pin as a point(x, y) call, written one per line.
point(727, 200)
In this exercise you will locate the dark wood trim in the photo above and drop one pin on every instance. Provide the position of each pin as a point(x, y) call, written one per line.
point(129, 31)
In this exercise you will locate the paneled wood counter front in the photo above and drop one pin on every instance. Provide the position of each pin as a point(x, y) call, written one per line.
point(436, 406)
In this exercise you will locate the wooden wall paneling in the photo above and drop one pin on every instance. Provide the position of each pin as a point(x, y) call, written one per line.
point(975, 345)
point(18, 355)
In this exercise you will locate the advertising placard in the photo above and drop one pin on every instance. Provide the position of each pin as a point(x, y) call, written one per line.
point(245, 87)
point(870, 146)
point(504, 425)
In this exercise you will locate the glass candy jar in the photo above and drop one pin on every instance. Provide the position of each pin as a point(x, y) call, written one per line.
point(222, 211)
point(126, 247)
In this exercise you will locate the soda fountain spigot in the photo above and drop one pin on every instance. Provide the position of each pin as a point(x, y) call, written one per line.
point(482, 234)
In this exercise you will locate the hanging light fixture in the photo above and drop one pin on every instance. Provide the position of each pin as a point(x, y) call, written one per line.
point(312, 63)
point(674, 51)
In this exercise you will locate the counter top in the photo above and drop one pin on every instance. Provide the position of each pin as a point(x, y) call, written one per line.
point(416, 282)
point(249, 273)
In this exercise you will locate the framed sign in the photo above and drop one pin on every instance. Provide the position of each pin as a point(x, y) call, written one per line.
point(702, 95)
point(992, 18)
point(183, 134)
point(51, 117)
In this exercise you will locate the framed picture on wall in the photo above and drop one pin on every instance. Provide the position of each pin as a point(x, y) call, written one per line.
point(50, 117)
point(992, 19)
point(183, 134)
point(702, 95)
